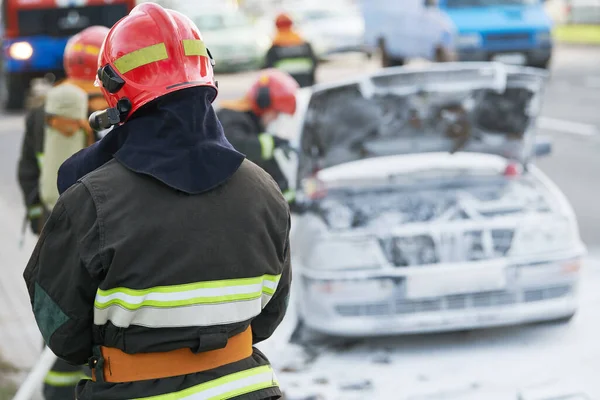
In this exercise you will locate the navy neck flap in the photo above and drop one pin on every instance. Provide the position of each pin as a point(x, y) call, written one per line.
point(176, 139)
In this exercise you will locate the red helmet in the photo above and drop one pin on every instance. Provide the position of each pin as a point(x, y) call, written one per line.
point(81, 53)
point(283, 21)
point(152, 52)
point(274, 90)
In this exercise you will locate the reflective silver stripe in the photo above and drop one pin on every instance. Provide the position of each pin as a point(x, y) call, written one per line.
point(226, 387)
point(197, 304)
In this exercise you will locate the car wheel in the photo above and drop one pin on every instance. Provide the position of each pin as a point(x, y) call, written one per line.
point(304, 335)
point(542, 65)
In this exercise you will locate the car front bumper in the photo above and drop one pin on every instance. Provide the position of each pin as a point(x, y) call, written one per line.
point(378, 306)
point(532, 57)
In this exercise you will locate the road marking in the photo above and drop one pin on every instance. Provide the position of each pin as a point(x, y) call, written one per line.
point(564, 126)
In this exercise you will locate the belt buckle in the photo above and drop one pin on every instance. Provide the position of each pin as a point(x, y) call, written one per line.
point(96, 364)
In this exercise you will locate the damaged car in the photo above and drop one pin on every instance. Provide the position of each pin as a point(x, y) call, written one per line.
point(419, 207)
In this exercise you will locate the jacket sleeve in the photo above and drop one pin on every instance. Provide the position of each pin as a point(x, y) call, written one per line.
point(315, 60)
point(28, 168)
point(61, 280)
point(256, 147)
point(271, 57)
point(271, 316)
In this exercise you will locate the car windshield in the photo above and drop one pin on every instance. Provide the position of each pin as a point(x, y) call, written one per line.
point(213, 22)
point(488, 3)
point(348, 123)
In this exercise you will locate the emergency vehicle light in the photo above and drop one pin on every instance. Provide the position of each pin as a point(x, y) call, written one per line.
point(20, 51)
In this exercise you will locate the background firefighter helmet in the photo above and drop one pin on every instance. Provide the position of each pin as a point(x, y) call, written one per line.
point(81, 53)
point(274, 90)
point(150, 53)
point(283, 21)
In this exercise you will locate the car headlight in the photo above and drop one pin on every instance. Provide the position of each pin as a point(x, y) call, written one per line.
point(544, 236)
point(346, 253)
point(468, 40)
point(543, 36)
point(336, 215)
point(20, 51)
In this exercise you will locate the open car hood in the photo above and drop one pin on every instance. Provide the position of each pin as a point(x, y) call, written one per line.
point(486, 107)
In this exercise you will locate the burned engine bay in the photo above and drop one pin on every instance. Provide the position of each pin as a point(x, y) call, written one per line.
point(400, 114)
point(430, 222)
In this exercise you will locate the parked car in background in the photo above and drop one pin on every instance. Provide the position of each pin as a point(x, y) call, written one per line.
point(583, 11)
point(233, 39)
point(509, 31)
point(419, 207)
point(331, 27)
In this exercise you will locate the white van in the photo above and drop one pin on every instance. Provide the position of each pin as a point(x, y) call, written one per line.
point(407, 29)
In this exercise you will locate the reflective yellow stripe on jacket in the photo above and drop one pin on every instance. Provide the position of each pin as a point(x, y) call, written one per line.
point(295, 65)
point(226, 387)
point(195, 304)
point(54, 378)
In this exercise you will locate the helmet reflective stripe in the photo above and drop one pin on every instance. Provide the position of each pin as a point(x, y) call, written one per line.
point(192, 47)
point(87, 48)
point(141, 57)
point(157, 52)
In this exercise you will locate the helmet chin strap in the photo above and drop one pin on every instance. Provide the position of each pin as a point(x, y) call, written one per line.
point(104, 119)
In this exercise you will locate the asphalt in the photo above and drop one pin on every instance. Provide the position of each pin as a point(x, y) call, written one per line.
point(571, 118)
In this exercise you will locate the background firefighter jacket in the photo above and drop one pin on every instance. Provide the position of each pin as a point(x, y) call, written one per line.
point(128, 261)
point(292, 54)
point(242, 129)
point(62, 101)
point(28, 169)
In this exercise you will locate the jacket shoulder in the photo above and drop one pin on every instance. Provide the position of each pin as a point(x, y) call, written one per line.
point(256, 179)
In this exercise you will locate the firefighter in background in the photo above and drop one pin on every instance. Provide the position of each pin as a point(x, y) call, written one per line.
point(291, 53)
point(246, 121)
point(167, 254)
point(80, 63)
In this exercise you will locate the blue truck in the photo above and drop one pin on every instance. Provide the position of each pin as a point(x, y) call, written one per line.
point(35, 34)
point(510, 31)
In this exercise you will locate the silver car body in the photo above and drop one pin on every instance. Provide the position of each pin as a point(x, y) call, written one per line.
point(396, 234)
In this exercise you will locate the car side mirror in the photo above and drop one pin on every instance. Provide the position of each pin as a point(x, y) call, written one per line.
point(543, 147)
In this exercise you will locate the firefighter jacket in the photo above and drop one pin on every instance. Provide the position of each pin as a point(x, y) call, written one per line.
point(186, 249)
point(292, 54)
point(243, 129)
point(28, 169)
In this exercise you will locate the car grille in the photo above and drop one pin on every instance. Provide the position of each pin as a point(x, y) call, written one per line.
point(62, 22)
point(423, 249)
point(403, 306)
point(507, 37)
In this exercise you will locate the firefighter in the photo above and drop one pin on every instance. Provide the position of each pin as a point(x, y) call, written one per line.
point(246, 121)
point(80, 63)
point(167, 254)
point(291, 53)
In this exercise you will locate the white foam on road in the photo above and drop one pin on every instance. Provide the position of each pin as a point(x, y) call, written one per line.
point(480, 364)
